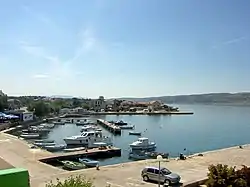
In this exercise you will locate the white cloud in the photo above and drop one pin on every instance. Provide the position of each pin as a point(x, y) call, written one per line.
point(230, 42)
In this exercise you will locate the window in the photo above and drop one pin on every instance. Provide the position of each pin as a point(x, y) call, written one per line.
point(156, 171)
point(150, 170)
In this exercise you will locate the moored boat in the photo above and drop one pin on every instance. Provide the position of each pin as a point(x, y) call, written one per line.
point(30, 135)
point(73, 165)
point(135, 133)
point(127, 127)
point(74, 149)
point(43, 144)
point(120, 123)
point(88, 162)
point(143, 144)
point(44, 141)
point(55, 147)
point(137, 156)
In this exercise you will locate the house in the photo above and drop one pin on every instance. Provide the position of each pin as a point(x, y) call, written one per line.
point(98, 104)
point(27, 116)
point(154, 105)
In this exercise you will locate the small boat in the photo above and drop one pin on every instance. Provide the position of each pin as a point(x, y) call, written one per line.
point(134, 133)
point(143, 144)
point(88, 128)
point(58, 123)
point(47, 125)
point(138, 156)
point(43, 144)
point(127, 127)
point(73, 165)
point(74, 149)
point(55, 147)
point(29, 131)
point(44, 141)
point(120, 123)
point(88, 162)
point(30, 135)
point(155, 154)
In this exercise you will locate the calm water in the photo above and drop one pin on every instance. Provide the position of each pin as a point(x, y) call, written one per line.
point(211, 127)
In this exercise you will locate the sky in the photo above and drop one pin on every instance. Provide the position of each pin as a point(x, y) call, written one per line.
point(124, 48)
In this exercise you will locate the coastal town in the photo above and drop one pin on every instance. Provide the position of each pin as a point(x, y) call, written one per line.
point(26, 124)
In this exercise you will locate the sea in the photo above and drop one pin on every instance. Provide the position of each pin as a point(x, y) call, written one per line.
point(210, 127)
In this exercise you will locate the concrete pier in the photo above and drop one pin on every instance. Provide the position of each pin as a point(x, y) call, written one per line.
point(109, 126)
point(17, 153)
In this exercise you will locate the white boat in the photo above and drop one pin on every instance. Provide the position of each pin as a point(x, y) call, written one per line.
point(127, 127)
point(87, 128)
point(73, 165)
point(88, 162)
point(134, 133)
point(30, 135)
point(143, 144)
point(88, 139)
point(55, 147)
point(138, 156)
point(43, 144)
point(44, 141)
point(74, 149)
point(47, 125)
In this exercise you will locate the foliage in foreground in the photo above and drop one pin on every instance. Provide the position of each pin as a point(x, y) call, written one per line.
point(225, 176)
point(77, 181)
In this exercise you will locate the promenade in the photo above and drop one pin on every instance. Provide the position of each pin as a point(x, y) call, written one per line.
point(17, 153)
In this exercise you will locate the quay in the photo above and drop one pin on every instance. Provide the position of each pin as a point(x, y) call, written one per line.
point(109, 126)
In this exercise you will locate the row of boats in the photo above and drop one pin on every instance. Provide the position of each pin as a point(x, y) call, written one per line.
point(81, 164)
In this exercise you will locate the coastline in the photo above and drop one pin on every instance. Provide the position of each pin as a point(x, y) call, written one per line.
point(193, 169)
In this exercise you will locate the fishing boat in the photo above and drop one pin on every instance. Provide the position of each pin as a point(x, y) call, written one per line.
point(88, 162)
point(44, 141)
point(73, 165)
point(88, 128)
point(43, 144)
point(53, 148)
point(88, 139)
point(120, 123)
point(143, 144)
point(30, 135)
point(154, 155)
point(127, 127)
point(135, 133)
point(74, 149)
point(138, 156)
point(47, 125)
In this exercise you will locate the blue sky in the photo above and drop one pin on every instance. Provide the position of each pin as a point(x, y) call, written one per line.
point(124, 47)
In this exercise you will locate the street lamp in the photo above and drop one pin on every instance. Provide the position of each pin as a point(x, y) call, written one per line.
point(159, 159)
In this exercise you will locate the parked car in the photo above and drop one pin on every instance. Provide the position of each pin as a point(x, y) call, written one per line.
point(165, 175)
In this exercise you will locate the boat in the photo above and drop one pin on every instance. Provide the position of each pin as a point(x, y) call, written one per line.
point(74, 149)
point(143, 144)
point(154, 155)
point(88, 139)
point(85, 122)
point(138, 156)
point(73, 165)
point(120, 123)
point(58, 123)
point(47, 125)
point(55, 147)
point(30, 135)
point(127, 127)
point(88, 128)
point(43, 144)
point(134, 133)
point(88, 162)
point(44, 141)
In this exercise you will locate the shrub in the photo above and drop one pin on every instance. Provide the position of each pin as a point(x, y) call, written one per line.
point(77, 181)
point(225, 176)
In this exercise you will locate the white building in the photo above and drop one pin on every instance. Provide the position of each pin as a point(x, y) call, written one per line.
point(27, 116)
point(98, 104)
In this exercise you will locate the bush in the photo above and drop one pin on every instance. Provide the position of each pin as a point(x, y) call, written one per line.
point(225, 176)
point(77, 181)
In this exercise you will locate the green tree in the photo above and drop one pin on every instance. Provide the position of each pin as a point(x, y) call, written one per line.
point(85, 106)
point(41, 109)
point(77, 181)
point(76, 102)
point(3, 103)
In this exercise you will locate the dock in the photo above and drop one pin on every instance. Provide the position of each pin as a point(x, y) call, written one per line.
point(109, 126)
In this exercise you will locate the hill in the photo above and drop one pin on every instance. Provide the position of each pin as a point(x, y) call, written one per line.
point(242, 99)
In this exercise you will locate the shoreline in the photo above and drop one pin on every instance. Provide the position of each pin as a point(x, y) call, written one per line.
point(193, 169)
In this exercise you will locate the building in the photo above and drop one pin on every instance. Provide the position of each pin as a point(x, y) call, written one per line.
point(97, 104)
point(154, 105)
point(27, 116)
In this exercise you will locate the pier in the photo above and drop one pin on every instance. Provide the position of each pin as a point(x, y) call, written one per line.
point(109, 126)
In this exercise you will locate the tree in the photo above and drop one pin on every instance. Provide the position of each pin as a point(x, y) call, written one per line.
point(41, 109)
point(76, 102)
point(3, 103)
point(77, 181)
point(85, 106)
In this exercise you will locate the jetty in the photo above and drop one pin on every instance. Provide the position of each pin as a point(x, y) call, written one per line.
point(109, 126)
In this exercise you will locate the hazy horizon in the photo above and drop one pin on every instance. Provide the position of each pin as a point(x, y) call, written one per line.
point(124, 48)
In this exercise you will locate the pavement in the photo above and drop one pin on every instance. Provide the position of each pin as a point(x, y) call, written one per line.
point(17, 153)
